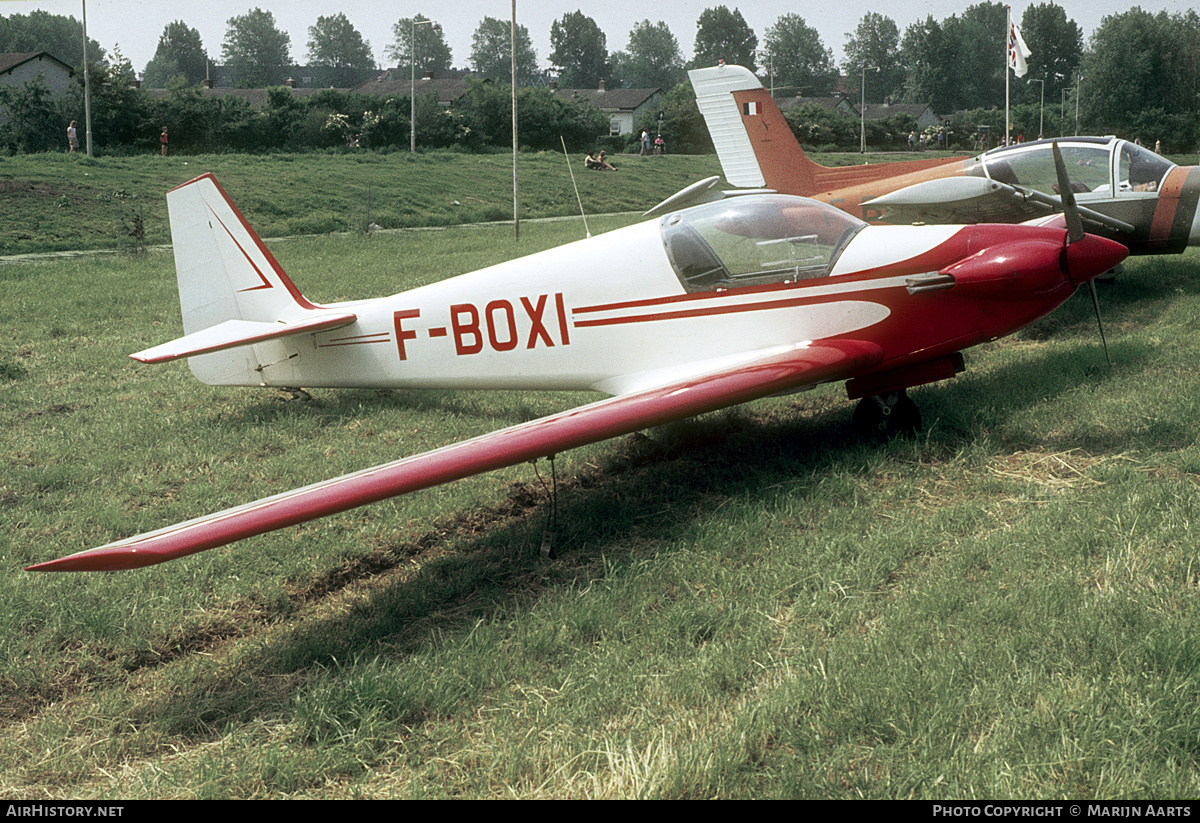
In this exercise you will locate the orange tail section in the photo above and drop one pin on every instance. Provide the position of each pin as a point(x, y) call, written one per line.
point(757, 147)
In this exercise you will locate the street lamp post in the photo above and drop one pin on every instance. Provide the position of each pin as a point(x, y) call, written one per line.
point(862, 114)
point(1078, 86)
point(512, 55)
point(1041, 110)
point(412, 95)
point(87, 86)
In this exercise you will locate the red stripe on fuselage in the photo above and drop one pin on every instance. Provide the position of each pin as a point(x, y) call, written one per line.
point(735, 309)
point(951, 250)
point(356, 340)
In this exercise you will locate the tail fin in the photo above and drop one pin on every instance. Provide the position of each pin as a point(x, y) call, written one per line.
point(755, 144)
point(757, 147)
point(224, 270)
point(237, 301)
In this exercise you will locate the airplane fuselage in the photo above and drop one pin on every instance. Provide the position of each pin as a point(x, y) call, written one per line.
point(612, 313)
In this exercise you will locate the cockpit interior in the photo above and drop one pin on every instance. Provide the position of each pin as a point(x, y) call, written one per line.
point(1093, 164)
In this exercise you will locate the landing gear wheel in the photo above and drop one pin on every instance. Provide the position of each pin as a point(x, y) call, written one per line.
point(881, 417)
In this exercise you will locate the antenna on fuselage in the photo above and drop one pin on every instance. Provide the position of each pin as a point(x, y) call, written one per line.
point(577, 198)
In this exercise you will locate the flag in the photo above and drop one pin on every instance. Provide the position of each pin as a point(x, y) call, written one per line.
point(1018, 52)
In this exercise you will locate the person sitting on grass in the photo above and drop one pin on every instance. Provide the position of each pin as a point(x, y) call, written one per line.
point(604, 164)
point(590, 162)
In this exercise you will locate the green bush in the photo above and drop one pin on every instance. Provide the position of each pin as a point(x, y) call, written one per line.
point(35, 123)
point(683, 126)
point(821, 128)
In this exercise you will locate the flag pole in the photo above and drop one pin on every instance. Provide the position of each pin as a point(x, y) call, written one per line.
point(1007, 60)
point(1016, 57)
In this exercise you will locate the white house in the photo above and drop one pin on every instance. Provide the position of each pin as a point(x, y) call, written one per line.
point(624, 107)
point(19, 69)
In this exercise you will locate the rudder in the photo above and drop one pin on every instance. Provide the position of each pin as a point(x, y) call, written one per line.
point(223, 269)
point(753, 141)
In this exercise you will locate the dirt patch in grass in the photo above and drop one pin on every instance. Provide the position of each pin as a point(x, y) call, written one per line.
point(27, 187)
point(523, 498)
point(57, 408)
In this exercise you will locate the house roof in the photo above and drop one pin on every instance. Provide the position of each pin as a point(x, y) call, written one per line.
point(876, 111)
point(786, 103)
point(612, 99)
point(8, 62)
point(399, 82)
point(255, 97)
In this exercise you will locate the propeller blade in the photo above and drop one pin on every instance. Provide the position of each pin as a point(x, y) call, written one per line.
point(1075, 234)
point(1067, 194)
point(1099, 322)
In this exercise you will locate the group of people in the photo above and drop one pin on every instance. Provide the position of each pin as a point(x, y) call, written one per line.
point(659, 144)
point(1137, 141)
point(599, 162)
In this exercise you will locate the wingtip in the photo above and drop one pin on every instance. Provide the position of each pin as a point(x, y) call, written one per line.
point(94, 560)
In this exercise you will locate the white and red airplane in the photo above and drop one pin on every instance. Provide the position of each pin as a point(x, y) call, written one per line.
point(701, 309)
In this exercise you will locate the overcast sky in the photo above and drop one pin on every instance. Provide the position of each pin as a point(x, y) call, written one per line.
point(136, 25)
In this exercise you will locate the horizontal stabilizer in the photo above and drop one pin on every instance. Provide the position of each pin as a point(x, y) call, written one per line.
point(233, 333)
point(693, 195)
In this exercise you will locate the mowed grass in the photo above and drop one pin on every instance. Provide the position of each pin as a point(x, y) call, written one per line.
point(750, 604)
point(64, 202)
point(54, 202)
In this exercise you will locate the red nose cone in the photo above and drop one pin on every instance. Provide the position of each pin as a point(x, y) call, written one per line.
point(1091, 256)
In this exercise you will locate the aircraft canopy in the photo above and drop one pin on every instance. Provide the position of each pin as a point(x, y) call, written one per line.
point(1092, 164)
point(745, 241)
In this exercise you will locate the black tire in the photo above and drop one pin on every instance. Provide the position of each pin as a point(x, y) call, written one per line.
point(881, 417)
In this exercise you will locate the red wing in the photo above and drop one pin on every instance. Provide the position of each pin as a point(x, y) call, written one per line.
point(802, 365)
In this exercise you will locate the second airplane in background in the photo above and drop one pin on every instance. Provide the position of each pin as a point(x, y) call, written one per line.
point(1124, 192)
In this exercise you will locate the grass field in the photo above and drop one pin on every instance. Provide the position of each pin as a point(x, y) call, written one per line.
point(54, 202)
point(750, 604)
point(64, 202)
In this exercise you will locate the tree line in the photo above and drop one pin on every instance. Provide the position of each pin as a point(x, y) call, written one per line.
point(128, 120)
point(1136, 76)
